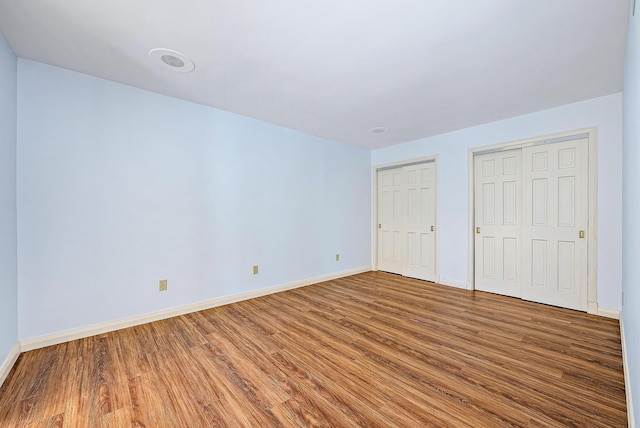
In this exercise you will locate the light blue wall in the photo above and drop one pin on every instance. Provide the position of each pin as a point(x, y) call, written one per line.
point(453, 213)
point(8, 283)
point(119, 187)
point(631, 204)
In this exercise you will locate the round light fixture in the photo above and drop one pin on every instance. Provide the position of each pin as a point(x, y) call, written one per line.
point(379, 130)
point(173, 60)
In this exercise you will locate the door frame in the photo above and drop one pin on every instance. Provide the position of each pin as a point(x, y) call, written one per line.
point(592, 228)
point(374, 226)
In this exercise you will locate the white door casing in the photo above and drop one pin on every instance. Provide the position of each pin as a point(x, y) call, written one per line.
point(498, 222)
point(555, 215)
point(559, 194)
point(406, 214)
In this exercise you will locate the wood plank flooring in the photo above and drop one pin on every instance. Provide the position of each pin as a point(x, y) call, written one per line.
point(371, 350)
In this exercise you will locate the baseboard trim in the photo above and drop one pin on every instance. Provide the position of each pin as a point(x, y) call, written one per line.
point(631, 421)
point(95, 329)
point(609, 313)
point(8, 363)
point(452, 283)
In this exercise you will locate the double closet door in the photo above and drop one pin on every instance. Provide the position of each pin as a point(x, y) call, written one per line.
point(531, 217)
point(407, 220)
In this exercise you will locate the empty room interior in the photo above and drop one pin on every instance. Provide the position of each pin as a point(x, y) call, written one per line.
point(245, 213)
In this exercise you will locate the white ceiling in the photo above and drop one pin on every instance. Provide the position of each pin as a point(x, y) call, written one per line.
point(336, 68)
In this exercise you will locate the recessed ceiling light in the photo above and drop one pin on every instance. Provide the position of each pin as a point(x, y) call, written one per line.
point(173, 60)
point(379, 130)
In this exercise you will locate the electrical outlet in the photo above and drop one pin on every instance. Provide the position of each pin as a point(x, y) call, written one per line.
point(163, 285)
point(337, 257)
point(255, 270)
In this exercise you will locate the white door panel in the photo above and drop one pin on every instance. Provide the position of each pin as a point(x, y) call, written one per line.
point(498, 222)
point(390, 220)
point(555, 210)
point(420, 203)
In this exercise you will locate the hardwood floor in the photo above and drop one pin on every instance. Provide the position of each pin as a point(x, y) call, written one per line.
point(372, 350)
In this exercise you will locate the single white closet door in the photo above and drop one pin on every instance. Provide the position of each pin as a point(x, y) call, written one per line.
point(498, 214)
point(390, 218)
point(419, 199)
point(555, 217)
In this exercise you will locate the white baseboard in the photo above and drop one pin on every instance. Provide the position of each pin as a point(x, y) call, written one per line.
point(609, 313)
point(8, 363)
point(627, 380)
point(95, 329)
point(452, 283)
